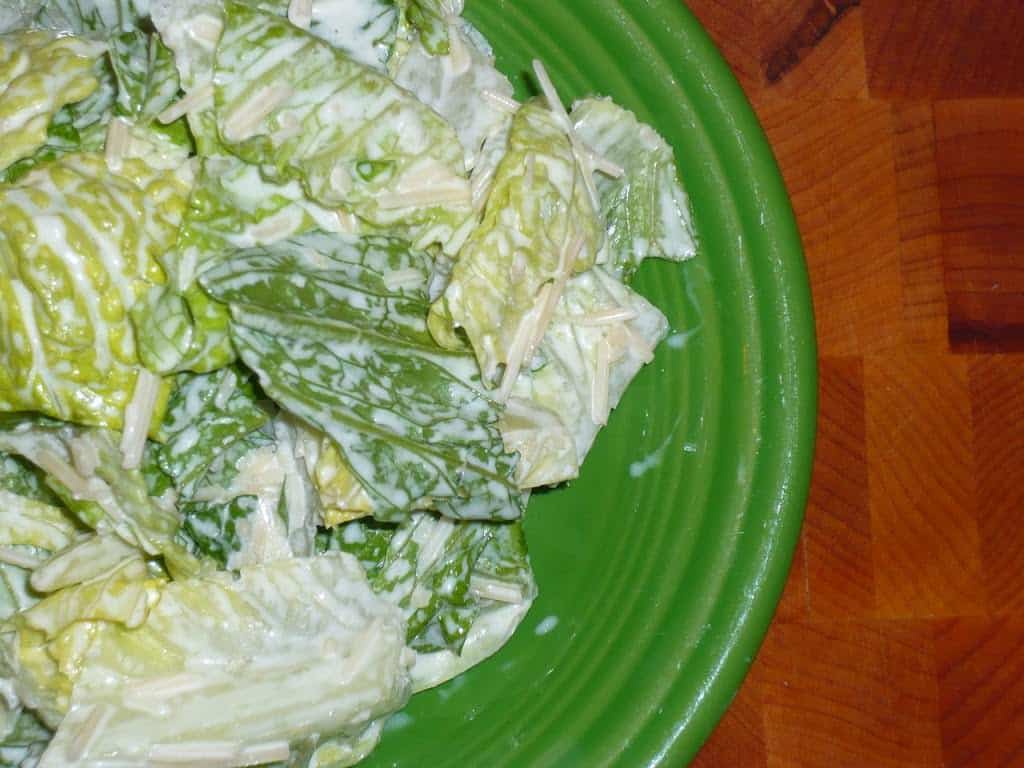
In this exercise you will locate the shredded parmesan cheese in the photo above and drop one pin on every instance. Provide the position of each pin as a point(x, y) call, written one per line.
point(119, 140)
point(63, 473)
point(492, 589)
point(583, 156)
point(268, 752)
point(243, 122)
point(12, 556)
point(197, 753)
point(300, 13)
point(458, 56)
point(137, 418)
point(501, 101)
point(425, 197)
point(90, 729)
point(599, 390)
point(606, 317)
point(200, 98)
point(604, 165)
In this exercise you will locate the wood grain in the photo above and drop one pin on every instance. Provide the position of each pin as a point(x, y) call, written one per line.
point(899, 130)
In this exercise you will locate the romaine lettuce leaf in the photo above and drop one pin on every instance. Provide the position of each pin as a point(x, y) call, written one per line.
point(601, 335)
point(147, 80)
point(83, 467)
point(463, 86)
point(646, 212)
point(24, 741)
point(98, 18)
point(179, 326)
point(206, 415)
point(539, 228)
point(210, 529)
point(351, 136)
point(43, 647)
point(335, 330)
point(426, 22)
point(39, 74)
point(285, 652)
point(443, 574)
point(78, 247)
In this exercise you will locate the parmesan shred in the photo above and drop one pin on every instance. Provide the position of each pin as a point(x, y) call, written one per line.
point(300, 13)
point(162, 688)
point(606, 317)
point(90, 729)
point(119, 140)
point(501, 101)
point(604, 165)
point(492, 589)
point(535, 323)
point(137, 418)
point(12, 556)
point(196, 753)
point(424, 198)
point(63, 472)
point(599, 390)
point(267, 752)
point(243, 122)
point(199, 99)
point(458, 56)
point(581, 153)
point(639, 346)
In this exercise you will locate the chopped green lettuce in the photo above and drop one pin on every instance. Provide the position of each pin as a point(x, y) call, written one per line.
point(211, 528)
point(646, 212)
point(180, 327)
point(463, 86)
point(39, 74)
point(539, 228)
point(78, 247)
point(147, 79)
point(442, 573)
point(84, 469)
point(335, 330)
point(206, 415)
point(91, 17)
point(601, 335)
point(426, 22)
point(248, 665)
point(352, 137)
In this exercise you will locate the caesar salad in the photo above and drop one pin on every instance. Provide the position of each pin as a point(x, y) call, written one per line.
point(298, 303)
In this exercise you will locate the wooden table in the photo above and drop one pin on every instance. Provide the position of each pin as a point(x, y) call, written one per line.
point(899, 128)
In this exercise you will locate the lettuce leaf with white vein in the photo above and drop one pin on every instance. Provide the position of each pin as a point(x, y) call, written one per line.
point(147, 79)
point(601, 335)
point(39, 74)
point(78, 247)
point(539, 227)
point(301, 109)
point(443, 574)
point(646, 211)
point(83, 467)
point(247, 666)
point(24, 741)
point(206, 415)
point(454, 85)
point(335, 329)
point(180, 327)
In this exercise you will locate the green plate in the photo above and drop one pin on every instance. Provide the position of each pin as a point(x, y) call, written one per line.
point(660, 568)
